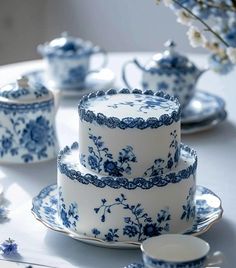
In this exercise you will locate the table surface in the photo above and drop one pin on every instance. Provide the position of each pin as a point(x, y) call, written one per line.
point(216, 150)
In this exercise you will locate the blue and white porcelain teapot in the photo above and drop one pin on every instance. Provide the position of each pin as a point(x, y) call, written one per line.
point(68, 61)
point(168, 71)
point(27, 123)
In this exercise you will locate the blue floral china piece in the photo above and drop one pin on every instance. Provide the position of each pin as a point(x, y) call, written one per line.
point(168, 71)
point(68, 60)
point(45, 209)
point(178, 251)
point(135, 265)
point(207, 124)
point(202, 106)
point(103, 79)
point(27, 125)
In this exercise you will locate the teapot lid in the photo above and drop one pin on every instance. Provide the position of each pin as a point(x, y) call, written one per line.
point(22, 91)
point(66, 45)
point(172, 59)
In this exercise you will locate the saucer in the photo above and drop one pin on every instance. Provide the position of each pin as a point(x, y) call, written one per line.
point(103, 79)
point(208, 211)
point(202, 107)
point(190, 128)
point(135, 265)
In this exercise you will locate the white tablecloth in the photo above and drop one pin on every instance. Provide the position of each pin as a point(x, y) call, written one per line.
point(216, 170)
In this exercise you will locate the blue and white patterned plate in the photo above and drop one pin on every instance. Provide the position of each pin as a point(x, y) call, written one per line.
point(191, 128)
point(135, 265)
point(202, 107)
point(208, 206)
point(103, 79)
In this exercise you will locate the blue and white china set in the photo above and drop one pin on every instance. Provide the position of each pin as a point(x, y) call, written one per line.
point(27, 112)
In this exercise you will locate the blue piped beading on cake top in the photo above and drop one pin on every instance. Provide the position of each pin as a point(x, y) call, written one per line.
point(129, 109)
point(72, 172)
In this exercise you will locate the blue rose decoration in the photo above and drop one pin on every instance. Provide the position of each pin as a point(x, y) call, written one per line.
point(112, 169)
point(36, 134)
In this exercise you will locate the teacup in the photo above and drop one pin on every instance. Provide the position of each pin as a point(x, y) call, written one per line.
point(176, 250)
point(68, 61)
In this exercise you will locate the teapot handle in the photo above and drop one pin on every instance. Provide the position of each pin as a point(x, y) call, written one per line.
point(98, 50)
point(124, 71)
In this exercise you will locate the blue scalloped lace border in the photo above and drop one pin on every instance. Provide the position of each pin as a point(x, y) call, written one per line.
point(129, 184)
point(128, 122)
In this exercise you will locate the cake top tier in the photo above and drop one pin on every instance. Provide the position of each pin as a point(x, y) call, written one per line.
point(129, 109)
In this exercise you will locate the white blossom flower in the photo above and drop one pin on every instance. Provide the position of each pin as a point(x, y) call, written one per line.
point(196, 38)
point(214, 47)
point(184, 17)
point(231, 53)
point(168, 3)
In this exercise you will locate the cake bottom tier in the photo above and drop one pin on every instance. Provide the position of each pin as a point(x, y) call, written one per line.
point(121, 209)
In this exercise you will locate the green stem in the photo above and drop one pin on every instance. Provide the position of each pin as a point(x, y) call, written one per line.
point(203, 22)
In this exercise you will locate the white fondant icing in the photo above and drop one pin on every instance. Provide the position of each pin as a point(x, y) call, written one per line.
point(133, 151)
point(131, 105)
point(170, 198)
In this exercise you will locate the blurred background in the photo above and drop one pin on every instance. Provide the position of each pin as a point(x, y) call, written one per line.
point(116, 25)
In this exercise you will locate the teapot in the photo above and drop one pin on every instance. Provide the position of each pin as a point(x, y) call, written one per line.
point(67, 61)
point(168, 71)
point(27, 123)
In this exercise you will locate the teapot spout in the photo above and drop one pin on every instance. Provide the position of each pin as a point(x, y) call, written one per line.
point(200, 72)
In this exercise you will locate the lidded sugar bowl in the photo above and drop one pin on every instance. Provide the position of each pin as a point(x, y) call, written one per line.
point(27, 123)
point(67, 60)
point(169, 71)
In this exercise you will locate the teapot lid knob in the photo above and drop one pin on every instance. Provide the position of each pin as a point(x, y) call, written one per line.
point(170, 44)
point(23, 82)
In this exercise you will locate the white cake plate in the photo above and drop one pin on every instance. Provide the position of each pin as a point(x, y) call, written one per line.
point(103, 79)
point(208, 211)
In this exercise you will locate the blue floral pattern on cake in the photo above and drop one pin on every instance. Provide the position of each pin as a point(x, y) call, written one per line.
point(100, 160)
point(189, 209)
point(161, 166)
point(69, 216)
point(144, 104)
point(128, 122)
point(122, 182)
point(30, 137)
point(137, 223)
point(208, 210)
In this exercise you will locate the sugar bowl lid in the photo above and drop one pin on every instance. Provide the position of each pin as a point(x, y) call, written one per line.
point(23, 91)
point(66, 45)
point(170, 58)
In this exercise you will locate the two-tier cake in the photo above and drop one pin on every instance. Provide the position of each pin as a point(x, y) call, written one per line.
point(128, 177)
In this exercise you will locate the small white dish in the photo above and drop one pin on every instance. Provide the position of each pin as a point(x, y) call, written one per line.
point(103, 79)
point(195, 127)
point(208, 211)
point(202, 106)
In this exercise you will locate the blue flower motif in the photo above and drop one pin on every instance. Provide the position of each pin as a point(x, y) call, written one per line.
point(150, 229)
point(9, 247)
point(162, 86)
point(112, 169)
point(95, 232)
point(92, 161)
point(6, 142)
point(36, 134)
point(65, 219)
point(130, 230)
